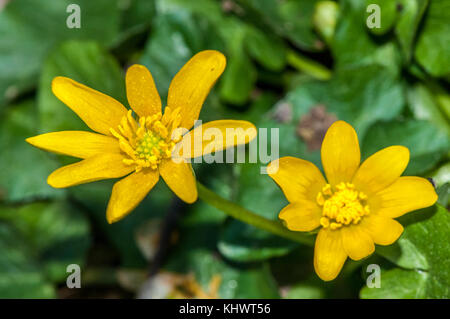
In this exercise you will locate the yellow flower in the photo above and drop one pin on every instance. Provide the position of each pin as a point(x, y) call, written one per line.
point(355, 206)
point(141, 145)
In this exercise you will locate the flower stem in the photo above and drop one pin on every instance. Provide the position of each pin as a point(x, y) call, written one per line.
point(244, 215)
point(308, 66)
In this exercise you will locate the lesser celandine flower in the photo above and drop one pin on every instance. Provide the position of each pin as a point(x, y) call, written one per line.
point(139, 146)
point(355, 205)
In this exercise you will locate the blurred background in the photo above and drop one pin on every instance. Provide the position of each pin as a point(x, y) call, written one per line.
point(296, 65)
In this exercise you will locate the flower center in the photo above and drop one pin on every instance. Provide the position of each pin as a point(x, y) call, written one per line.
point(150, 140)
point(344, 206)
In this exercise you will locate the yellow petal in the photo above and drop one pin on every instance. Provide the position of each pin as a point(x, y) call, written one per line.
point(329, 254)
point(99, 111)
point(297, 178)
point(216, 136)
point(102, 166)
point(406, 194)
point(357, 243)
point(75, 143)
point(180, 179)
point(383, 230)
point(191, 85)
point(129, 192)
point(340, 153)
point(141, 91)
point(301, 216)
point(381, 169)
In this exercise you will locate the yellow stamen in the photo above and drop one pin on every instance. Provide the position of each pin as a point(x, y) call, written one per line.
point(320, 199)
point(148, 141)
point(342, 207)
point(325, 222)
point(326, 190)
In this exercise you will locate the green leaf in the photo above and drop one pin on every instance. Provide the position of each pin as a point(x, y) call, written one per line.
point(433, 42)
point(40, 225)
point(20, 275)
point(325, 18)
point(296, 21)
point(426, 143)
point(237, 84)
point(295, 274)
point(94, 198)
point(423, 105)
point(442, 175)
point(30, 28)
point(184, 28)
point(444, 192)
point(23, 168)
point(35, 252)
point(408, 22)
point(254, 282)
point(266, 49)
point(365, 50)
point(398, 284)
point(137, 13)
point(195, 253)
point(182, 34)
point(259, 107)
point(87, 63)
point(306, 290)
point(424, 248)
point(443, 100)
point(291, 19)
point(242, 242)
point(388, 15)
point(352, 25)
point(210, 9)
point(360, 95)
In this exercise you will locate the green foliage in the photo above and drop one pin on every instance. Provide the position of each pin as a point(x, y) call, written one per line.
point(360, 95)
point(291, 19)
point(30, 28)
point(325, 17)
point(242, 242)
point(425, 106)
point(408, 23)
point(305, 291)
point(20, 178)
point(122, 235)
point(195, 254)
point(267, 50)
point(422, 253)
point(398, 284)
point(354, 45)
point(287, 61)
point(433, 49)
point(388, 15)
point(21, 276)
point(85, 62)
point(182, 34)
point(35, 252)
point(427, 144)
